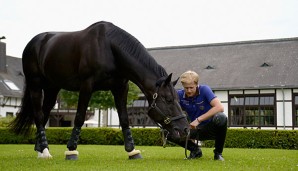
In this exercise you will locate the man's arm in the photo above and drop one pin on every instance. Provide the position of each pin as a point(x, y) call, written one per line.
point(216, 107)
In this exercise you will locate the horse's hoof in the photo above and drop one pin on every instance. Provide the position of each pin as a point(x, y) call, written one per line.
point(71, 155)
point(134, 154)
point(44, 155)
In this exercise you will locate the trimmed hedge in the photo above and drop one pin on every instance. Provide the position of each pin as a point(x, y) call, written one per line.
point(255, 138)
point(236, 138)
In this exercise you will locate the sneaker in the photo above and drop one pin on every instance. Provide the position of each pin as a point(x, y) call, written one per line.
point(218, 156)
point(195, 154)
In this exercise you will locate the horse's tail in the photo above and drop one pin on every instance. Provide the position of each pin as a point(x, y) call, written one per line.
point(22, 124)
point(24, 121)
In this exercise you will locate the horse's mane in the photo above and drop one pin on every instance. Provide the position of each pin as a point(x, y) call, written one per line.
point(133, 48)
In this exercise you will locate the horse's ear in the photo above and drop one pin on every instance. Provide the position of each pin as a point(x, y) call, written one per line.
point(164, 80)
point(175, 82)
point(168, 79)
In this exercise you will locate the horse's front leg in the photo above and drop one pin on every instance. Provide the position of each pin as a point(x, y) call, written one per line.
point(84, 97)
point(129, 145)
point(120, 97)
point(72, 153)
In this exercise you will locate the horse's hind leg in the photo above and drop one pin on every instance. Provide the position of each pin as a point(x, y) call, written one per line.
point(50, 96)
point(41, 141)
point(49, 101)
point(120, 98)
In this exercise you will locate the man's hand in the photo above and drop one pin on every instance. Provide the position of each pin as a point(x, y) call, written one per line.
point(194, 124)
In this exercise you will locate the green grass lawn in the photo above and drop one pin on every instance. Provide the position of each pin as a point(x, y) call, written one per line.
point(102, 157)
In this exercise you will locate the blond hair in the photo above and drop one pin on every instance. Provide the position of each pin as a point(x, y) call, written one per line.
point(189, 77)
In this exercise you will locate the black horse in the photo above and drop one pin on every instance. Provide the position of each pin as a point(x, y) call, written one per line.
point(100, 57)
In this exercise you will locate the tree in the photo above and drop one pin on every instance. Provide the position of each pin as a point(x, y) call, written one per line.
point(99, 100)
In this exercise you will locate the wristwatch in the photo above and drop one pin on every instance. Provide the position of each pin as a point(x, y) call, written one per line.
point(198, 121)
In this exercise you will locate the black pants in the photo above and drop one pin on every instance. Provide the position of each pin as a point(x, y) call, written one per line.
point(214, 130)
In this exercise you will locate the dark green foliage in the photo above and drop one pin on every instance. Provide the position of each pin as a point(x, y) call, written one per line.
point(147, 136)
point(236, 138)
point(252, 138)
point(4, 121)
point(107, 136)
point(7, 137)
point(99, 99)
point(285, 140)
point(58, 135)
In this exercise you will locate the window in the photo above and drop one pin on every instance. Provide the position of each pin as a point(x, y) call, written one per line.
point(252, 110)
point(11, 85)
point(295, 112)
point(9, 114)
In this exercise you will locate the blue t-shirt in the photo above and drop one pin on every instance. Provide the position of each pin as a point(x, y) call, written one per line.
point(197, 105)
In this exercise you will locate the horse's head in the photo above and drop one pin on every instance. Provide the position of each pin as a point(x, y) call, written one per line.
point(166, 111)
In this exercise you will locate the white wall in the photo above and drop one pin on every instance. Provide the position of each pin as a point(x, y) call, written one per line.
point(113, 118)
point(103, 118)
point(9, 105)
point(4, 110)
point(223, 97)
point(284, 107)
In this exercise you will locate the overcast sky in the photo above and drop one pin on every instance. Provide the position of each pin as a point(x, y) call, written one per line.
point(155, 23)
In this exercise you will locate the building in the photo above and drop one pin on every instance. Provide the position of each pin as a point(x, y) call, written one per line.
point(256, 81)
point(11, 83)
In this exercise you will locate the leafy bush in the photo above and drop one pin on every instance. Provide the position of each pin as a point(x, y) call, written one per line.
point(252, 138)
point(147, 136)
point(4, 121)
point(236, 138)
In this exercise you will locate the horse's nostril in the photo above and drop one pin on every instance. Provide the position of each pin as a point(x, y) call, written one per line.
point(186, 130)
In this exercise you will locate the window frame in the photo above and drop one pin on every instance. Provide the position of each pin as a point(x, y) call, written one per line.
point(254, 107)
point(295, 110)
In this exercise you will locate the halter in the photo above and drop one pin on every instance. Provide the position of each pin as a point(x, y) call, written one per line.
point(166, 119)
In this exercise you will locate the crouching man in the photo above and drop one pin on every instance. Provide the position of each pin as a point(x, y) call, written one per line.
point(205, 112)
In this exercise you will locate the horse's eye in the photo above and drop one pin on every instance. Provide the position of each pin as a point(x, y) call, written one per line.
point(169, 99)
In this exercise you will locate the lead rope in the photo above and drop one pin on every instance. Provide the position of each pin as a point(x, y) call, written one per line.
point(186, 143)
point(164, 138)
